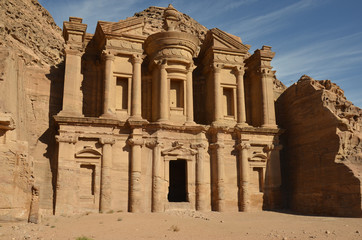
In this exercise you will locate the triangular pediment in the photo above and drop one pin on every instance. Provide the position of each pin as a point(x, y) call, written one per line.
point(131, 26)
point(223, 40)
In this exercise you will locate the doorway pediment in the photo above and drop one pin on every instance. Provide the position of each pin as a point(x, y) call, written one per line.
point(178, 149)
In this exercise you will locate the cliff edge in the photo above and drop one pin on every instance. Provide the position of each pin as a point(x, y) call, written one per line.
point(322, 156)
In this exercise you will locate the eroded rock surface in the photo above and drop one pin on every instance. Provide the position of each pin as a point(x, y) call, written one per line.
point(322, 156)
point(29, 29)
point(30, 51)
point(154, 22)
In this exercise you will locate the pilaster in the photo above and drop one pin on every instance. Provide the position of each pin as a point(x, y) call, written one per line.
point(106, 174)
point(136, 109)
point(73, 33)
point(157, 180)
point(189, 95)
point(65, 189)
point(217, 92)
point(136, 188)
point(164, 107)
point(241, 113)
point(109, 108)
point(220, 172)
point(272, 177)
point(201, 186)
point(266, 75)
point(244, 168)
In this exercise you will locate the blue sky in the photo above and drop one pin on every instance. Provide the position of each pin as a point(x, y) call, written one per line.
point(320, 38)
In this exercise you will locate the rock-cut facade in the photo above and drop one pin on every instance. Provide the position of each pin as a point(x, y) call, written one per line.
point(164, 120)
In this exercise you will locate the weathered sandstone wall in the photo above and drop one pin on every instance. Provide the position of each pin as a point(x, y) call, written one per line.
point(322, 154)
point(31, 84)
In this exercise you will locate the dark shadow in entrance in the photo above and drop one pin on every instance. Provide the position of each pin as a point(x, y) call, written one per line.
point(177, 190)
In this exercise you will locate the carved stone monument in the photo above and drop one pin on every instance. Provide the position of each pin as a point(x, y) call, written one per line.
point(171, 120)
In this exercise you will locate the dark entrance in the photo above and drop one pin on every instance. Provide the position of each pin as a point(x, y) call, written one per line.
point(177, 190)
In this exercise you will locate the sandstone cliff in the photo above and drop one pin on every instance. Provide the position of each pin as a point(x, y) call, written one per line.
point(27, 28)
point(30, 48)
point(322, 156)
point(154, 22)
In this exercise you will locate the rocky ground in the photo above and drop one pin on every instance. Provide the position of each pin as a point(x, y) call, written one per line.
point(186, 225)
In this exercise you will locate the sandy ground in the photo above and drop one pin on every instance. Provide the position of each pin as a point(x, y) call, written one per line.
point(186, 225)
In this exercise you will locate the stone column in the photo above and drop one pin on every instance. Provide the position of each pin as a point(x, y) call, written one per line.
point(164, 107)
point(157, 181)
point(273, 176)
point(66, 198)
point(241, 117)
point(268, 98)
point(189, 95)
point(136, 110)
point(72, 95)
point(106, 175)
point(220, 181)
point(135, 191)
point(109, 109)
point(218, 115)
point(201, 187)
point(244, 176)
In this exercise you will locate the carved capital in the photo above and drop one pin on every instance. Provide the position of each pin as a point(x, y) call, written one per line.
point(198, 146)
point(153, 144)
point(216, 145)
point(239, 70)
point(67, 139)
point(266, 72)
point(269, 148)
point(135, 142)
point(137, 58)
point(191, 67)
point(75, 51)
point(107, 55)
point(107, 140)
point(216, 67)
point(162, 64)
point(243, 145)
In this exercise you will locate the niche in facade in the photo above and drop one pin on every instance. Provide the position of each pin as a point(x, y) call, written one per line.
point(228, 102)
point(122, 93)
point(176, 94)
point(257, 178)
point(87, 180)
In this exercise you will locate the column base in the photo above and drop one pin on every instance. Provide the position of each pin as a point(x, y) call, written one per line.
point(136, 121)
point(242, 125)
point(109, 115)
point(269, 126)
point(189, 123)
point(163, 120)
point(65, 113)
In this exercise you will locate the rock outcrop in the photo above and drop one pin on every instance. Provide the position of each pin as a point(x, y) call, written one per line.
point(154, 22)
point(30, 50)
point(322, 156)
point(28, 29)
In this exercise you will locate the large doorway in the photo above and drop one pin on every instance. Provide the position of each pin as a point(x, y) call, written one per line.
point(177, 190)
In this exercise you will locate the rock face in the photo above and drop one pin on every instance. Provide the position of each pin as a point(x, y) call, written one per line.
point(322, 156)
point(154, 23)
point(28, 28)
point(30, 49)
